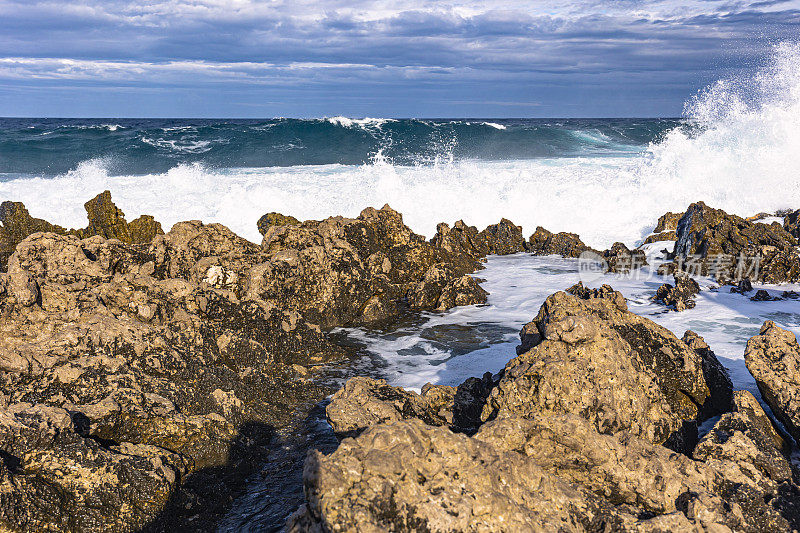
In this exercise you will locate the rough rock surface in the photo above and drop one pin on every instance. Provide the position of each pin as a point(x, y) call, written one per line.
point(679, 296)
point(731, 248)
point(619, 258)
point(342, 271)
point(55, 477)
point(163, 361)
point(791, 223)
point(105, 219)
point(544, 242)
point(773, 358)
point(553, 472)
point(665, 228)
point(617, 369)
point(275, 219)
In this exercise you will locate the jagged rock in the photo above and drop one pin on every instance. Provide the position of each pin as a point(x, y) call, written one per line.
point(275, 219)
point(773, 358)
point(364, 402)
point(619, 258)
point(681, 295)
point(105, 219)
point(665, 228)
point(108, 221)
point(712, 242)
point(440, 289)
point(791, 223)
point(790, 295)
point(553, 472)
point(139, 354)
point(56, 478)
point(461, 240)
point(543, 242)
point(504, 238)
point(743, 286)
point(17, 224)
point(348, 271)
point(619, 370)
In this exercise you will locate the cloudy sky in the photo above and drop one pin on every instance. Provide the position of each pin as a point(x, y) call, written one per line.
point(401, 58)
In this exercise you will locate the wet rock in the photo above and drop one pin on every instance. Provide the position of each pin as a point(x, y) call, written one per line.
point(665, 228)
point(440, 289)
point(712, 242)
point(680, 296)
point(56, 478)
point(544, 242)
point(763, 296)
point(618, 370)
point(773, 358)
point(275, 219)
point(743, 286)
point(620, 259)
point(791, 223)
point(461, 240)
point(790, 295)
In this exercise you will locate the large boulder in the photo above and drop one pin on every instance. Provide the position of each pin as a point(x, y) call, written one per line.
point(791, 223)
point(712, 242)
point(620, 259)
point(589, 355)
point(773, 358)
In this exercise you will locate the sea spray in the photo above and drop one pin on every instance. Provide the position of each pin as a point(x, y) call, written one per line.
point(738, 149)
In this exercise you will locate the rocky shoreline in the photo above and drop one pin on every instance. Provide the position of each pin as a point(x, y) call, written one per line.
point(145, 375)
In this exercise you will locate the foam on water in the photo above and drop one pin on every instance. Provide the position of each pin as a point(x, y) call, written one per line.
point(468, 341)
point(742, 154)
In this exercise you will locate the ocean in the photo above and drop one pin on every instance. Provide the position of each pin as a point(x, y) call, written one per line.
point(737, 147)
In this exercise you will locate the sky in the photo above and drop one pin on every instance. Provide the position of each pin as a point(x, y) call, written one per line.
point(400, 58)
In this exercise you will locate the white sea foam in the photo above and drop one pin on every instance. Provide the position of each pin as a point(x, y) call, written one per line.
point(494, 125)
point(363, 123)
point(744, 157)
point(468, 341)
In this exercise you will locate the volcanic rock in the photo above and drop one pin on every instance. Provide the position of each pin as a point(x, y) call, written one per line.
point(712, 242)
point(620, 259)
point(17, 224)
point(275, 219)
point(791, 223)
point(681, 295)
point(665, 228)
point(544, 242)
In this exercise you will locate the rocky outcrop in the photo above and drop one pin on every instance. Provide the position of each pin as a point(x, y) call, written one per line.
point(620, 259)
point(791, 223)
point(617, 369)
point(342, 271)
point(544, 242)
point(558, 450)
point(552, 472)
point(105, 219)
point(17, 224)
point(665, 228)
point(773, 358)
point(679, 296)
point(712, 242)
point(56, 477)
